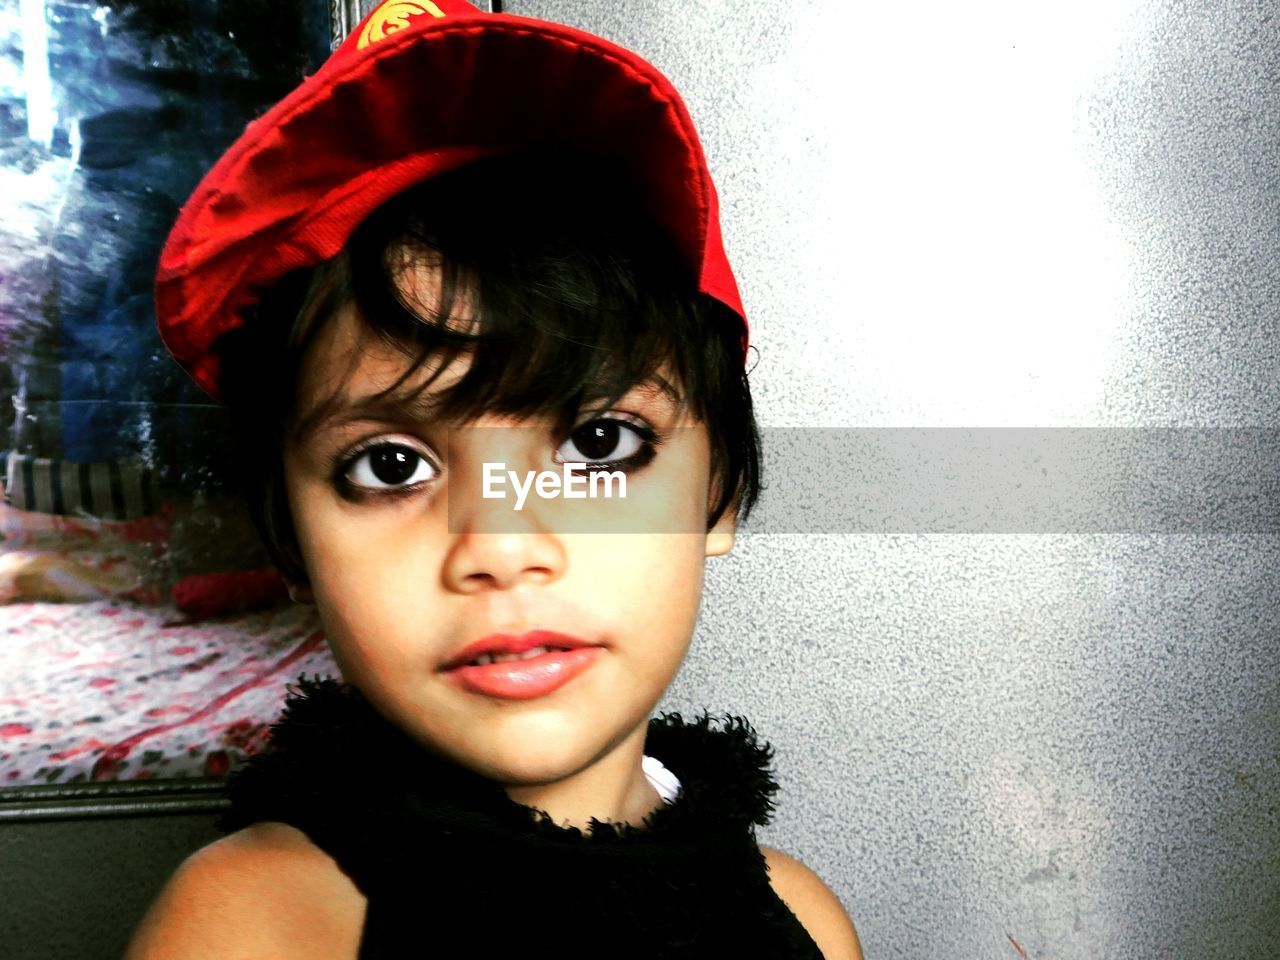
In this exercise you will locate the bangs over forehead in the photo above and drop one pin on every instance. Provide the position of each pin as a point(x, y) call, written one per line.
point(557, 291)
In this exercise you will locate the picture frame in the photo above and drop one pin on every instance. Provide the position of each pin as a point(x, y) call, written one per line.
point(123, 82)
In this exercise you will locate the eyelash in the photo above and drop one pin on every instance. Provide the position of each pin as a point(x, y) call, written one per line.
point(342, 463)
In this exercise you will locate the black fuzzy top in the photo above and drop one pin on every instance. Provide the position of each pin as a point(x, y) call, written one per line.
point(452, 866)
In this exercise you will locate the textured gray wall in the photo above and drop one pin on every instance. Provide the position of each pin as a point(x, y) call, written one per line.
point(985, 215)
point(77, 889)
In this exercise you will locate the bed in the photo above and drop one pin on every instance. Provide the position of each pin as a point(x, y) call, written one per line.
point(121, 691)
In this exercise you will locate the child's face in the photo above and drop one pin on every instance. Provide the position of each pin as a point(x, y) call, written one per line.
point(404, 584)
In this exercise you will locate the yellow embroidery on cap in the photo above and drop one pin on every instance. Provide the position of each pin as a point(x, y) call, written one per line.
point(392, 16)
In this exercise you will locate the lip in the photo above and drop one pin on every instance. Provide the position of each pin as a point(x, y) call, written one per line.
point(522, 679)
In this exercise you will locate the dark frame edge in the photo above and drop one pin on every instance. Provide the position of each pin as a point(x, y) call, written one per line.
point(343, 15)
point(113, 799)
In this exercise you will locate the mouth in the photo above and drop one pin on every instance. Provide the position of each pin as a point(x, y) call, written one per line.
point(521, 667)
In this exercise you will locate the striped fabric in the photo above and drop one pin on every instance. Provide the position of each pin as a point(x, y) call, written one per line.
point(110, 491)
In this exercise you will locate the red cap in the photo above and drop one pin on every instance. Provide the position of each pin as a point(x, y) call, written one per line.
point(417, 89)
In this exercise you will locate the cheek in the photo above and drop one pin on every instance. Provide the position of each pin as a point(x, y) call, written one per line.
point(367, 600)
point(348, 548)
point(647, 583)
point(378, 643)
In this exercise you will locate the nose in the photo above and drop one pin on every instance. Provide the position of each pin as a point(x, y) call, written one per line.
point(494, 547)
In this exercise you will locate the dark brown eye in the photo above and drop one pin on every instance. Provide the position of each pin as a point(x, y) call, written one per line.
point(387, 466)
point(603, 440)
point(599, 439)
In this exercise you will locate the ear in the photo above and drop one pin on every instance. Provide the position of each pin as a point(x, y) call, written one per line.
point(299, 592)
point(720, 537)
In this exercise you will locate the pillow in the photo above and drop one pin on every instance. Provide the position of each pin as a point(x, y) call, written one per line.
point(47, 557)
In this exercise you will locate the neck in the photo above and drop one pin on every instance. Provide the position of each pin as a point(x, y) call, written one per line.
point(612, 788)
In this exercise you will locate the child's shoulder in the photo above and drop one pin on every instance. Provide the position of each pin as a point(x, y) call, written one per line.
point(815, 906)
point(248, 895)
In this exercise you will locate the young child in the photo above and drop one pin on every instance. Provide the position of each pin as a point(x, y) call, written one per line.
point(470, 241)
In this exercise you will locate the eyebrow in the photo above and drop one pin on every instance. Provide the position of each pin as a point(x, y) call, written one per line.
point(379, 408)
point(374, 408)
point(651, 385)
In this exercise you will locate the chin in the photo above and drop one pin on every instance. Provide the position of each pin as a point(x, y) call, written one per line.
point(540, 753)
point(516, 770)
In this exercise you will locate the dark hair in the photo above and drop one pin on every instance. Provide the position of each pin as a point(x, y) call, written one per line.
point(576, 293)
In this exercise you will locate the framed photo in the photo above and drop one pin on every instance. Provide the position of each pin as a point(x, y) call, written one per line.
point(146, 643)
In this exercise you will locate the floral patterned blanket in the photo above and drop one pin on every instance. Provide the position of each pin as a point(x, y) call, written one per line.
point(113, 690)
